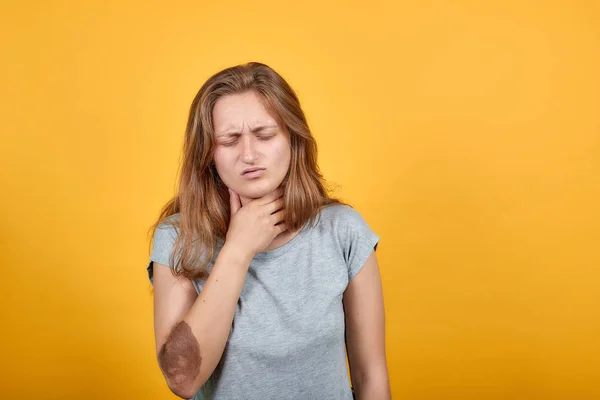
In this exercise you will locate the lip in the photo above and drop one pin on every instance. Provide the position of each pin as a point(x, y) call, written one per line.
point(251, 170)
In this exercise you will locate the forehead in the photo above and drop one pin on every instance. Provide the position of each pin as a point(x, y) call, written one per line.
point(240, 110)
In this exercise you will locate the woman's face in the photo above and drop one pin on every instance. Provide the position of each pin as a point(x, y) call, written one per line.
point(252, 152)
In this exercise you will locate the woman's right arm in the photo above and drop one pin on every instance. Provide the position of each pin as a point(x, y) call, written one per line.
point(191, 330)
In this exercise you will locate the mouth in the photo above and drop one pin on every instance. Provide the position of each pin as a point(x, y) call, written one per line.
point(251, 170)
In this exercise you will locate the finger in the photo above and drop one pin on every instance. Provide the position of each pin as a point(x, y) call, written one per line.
point(234, 202)
point(269, 198)
point(274, 206)
point(278, 217)
point(279, 229)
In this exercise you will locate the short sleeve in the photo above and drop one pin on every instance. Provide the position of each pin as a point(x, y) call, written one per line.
point(359, 241)
point(162, 247)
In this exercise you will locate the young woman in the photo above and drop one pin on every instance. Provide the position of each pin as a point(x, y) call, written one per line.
point(262, 281)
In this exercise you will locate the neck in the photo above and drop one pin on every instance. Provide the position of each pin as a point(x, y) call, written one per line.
point(280, 239)
point(245, 200)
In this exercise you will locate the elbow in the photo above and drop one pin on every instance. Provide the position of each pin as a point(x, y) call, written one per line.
point(184, 393)
point(182, 390)
point(179, 359)
point(377, 387)
point(183, 377)
point(184, 387)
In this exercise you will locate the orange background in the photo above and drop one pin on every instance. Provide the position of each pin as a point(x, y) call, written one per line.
point(466, 133)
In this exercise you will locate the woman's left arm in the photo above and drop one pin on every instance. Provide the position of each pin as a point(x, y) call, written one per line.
point(365, 333)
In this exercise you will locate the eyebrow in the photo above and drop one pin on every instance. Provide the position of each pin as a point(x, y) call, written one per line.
point(253, 130)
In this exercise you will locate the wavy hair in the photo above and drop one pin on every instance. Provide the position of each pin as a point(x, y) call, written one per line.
point(202, 199)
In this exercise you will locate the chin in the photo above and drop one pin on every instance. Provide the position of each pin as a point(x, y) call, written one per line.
point(256, 189)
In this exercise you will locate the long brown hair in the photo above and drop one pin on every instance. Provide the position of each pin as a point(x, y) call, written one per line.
point(202, 199)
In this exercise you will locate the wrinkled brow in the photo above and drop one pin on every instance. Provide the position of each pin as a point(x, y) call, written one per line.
point(256, 129)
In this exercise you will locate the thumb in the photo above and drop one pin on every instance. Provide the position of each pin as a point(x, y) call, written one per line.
point(234, 202)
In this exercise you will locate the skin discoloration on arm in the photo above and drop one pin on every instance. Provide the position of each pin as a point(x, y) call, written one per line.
point(179, 357)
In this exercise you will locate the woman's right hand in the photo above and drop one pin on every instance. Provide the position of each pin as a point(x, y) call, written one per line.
point(254, 226)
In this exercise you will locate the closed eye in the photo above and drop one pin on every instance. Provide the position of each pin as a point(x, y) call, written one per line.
point(228, 143)
point(265, 137)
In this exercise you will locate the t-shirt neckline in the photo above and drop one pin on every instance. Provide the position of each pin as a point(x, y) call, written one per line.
point(289, 245)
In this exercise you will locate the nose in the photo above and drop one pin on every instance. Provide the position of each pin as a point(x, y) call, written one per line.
point(249, 155)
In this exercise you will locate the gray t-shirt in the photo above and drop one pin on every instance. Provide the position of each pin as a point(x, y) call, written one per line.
point(288, 335)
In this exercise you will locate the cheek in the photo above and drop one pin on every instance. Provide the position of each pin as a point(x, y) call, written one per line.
point(222, 161)
point(283, 154)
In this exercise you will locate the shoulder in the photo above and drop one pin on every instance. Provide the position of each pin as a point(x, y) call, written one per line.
point(163, 241)
point(342, 221)
point(165, 235)
point(168, 227)
point(170, 222)
point(340, 215)
point(345, 227)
